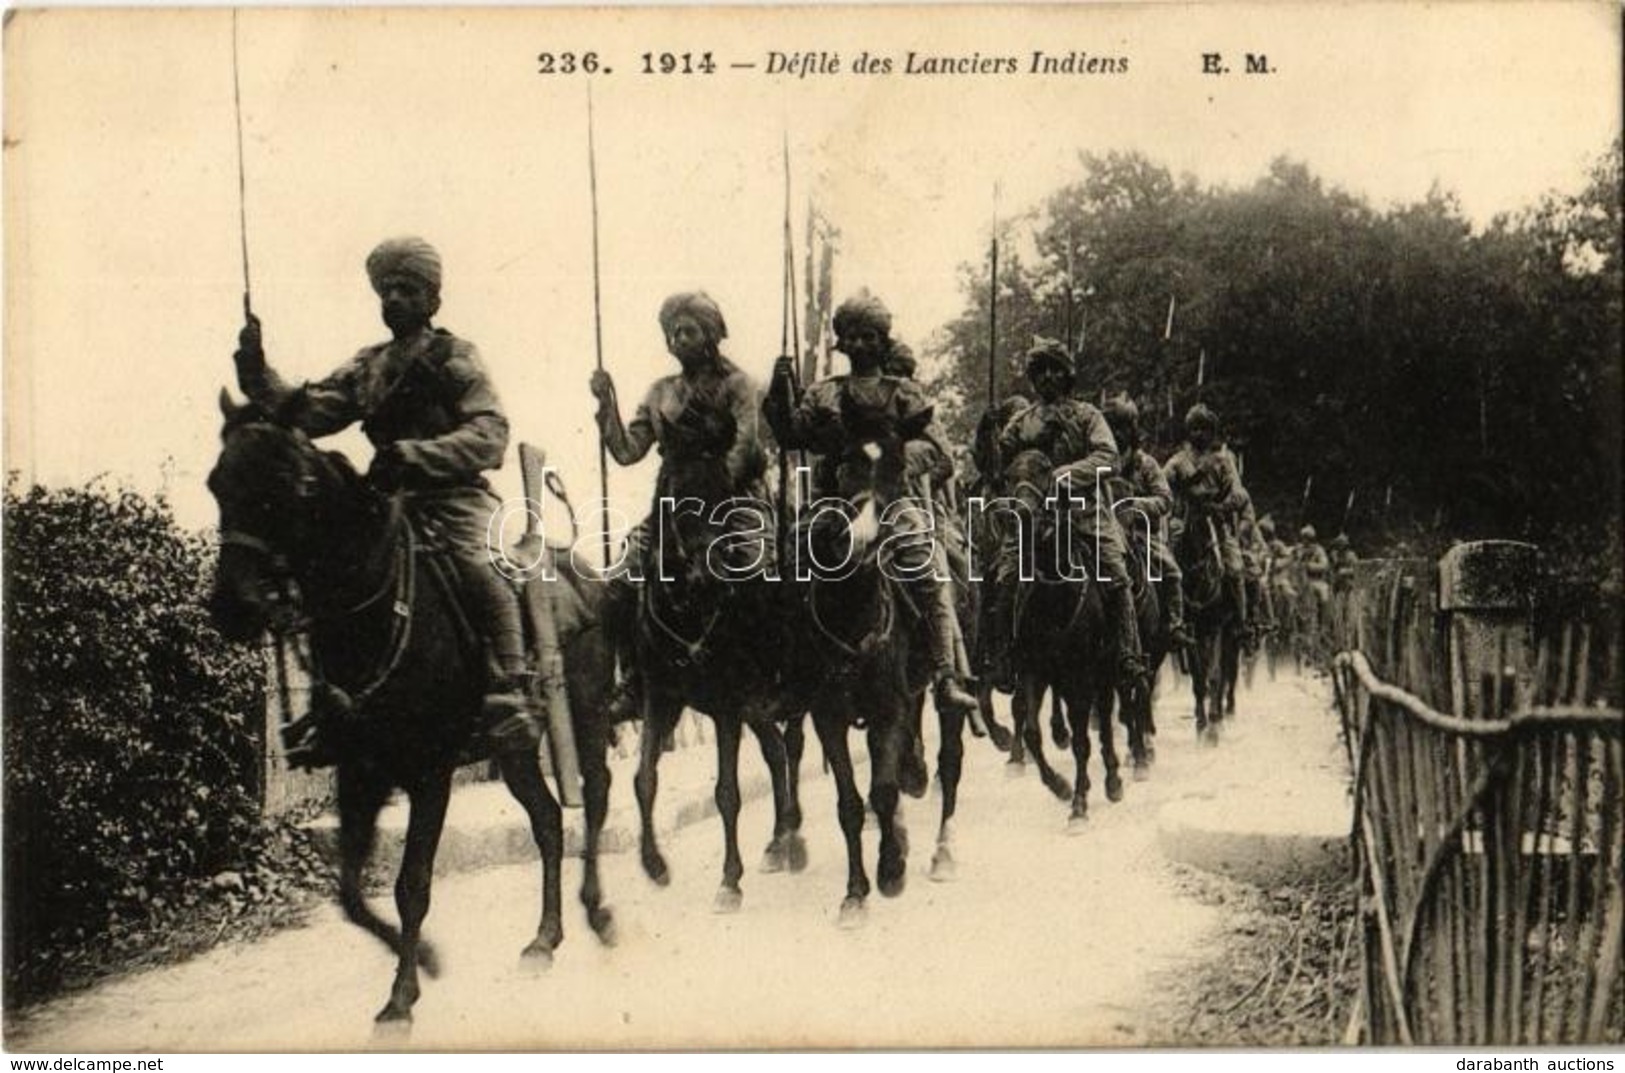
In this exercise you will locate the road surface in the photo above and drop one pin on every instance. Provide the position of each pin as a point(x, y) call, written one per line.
point(1045, 938)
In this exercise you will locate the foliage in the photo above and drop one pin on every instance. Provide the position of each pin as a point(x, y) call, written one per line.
point(1441, 378)
point(131, 754)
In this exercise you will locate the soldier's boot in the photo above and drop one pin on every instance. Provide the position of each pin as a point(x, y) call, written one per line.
point(945, 644)
point(1121, 614)
point(505, 715)
point(1179, 634)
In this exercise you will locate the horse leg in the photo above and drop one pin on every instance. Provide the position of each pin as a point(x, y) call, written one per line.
point(1033, 736)
point(887, 740)
point(728, 731)
point(786, 811)
point(361, 797)
point(912, 777)
point(426, 819)
point(997, 733)
point(1102, 708)
point(1058, 732)
point(1078, 710)
point(831, 729)
point(795, 743)
point(1021, 701)
point(523, 776)
point(592, 744)
point(659, 717)
point(950, 762)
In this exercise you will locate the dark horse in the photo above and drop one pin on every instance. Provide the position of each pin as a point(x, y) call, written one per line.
point(862, 666)
point(1135, 706)
point(707, 629)
point(1210, 606)
point(386, 632)
point(1062, 643)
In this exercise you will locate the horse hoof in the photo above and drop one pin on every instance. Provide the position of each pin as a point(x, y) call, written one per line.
point(795, 850)
point(1000, 737)
point(728, 900)
point(1077, 823)
point(1142, 769)
point(1114, 787)
point(654, 866)
point(1059, 787)
point(912, 779)
point(853, 913)
point(892, 884)
point(603, 925)
point(1014, 769)
point(1210, 736)
point(390, 1034)
point(536, 958)
point(773, 859)
point(428, 960)
point(944, 869)
point(392, 1023)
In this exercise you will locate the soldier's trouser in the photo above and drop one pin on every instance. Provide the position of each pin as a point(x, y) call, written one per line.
point(462, 517)
point(1173, 582)
point(1235, 574)
point(496, 613)
point(932, 587)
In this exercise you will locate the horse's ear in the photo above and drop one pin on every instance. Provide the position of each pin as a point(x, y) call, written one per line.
point(234, 412)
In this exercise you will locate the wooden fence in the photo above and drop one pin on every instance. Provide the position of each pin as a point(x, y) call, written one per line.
point(1486, 742)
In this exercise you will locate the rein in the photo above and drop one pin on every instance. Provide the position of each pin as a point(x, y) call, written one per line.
point(864, 644)
point(400, 580)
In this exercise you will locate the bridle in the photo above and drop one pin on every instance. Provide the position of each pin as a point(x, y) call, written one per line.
point(291, 618)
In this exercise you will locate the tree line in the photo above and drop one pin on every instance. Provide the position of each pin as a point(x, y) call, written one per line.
point(1397, 374)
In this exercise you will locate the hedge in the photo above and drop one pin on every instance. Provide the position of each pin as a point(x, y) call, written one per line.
point(131, 738)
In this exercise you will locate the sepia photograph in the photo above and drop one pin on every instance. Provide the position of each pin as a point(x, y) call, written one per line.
point(813, 527)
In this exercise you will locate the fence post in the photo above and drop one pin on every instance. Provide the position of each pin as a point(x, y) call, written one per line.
point(1486, 593)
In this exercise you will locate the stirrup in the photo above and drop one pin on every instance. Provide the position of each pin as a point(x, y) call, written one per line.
point(507, 721)
point(948, 695)
point(304, 746)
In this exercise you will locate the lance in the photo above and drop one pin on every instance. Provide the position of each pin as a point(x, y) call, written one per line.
point(1168, 325)
point(1201, 368)
point(1348, 508)
point(993, 309)
point(598, 328)
point(1309, 482)
point(242, 180)
point(1071, 285)
point(789, 331)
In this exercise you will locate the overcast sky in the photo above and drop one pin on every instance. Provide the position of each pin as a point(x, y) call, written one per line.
point(123, 264)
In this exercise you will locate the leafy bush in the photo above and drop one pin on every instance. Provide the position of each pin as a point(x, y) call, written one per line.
point(131, 742)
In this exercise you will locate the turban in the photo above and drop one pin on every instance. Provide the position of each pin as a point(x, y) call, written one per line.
point(701, 307)
point(1047, 352)
point(1200, 416)
point(862, 309)
point(1120, 411)
point(405, 257)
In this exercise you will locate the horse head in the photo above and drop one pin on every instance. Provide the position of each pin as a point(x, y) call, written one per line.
point(283, 503)
point(869, 478)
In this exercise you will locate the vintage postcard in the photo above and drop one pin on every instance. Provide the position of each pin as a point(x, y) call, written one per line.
point(832, 333)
